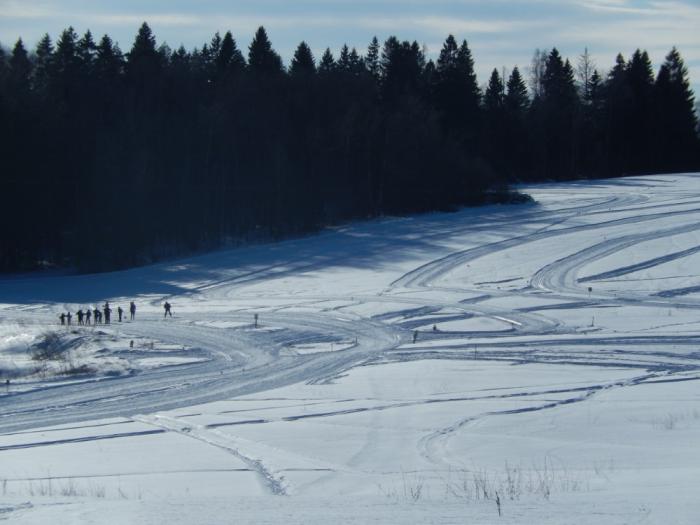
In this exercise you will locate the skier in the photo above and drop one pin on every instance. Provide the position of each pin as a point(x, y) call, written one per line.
point(68, 317)
point(62, 317)
point(98, 315)
point(88, 313)
point(167, 310)
point(79, 313)
point(120, 312)
point(132, 310)
point(108, 312)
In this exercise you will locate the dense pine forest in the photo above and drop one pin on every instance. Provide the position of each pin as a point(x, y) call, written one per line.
point(110, 159)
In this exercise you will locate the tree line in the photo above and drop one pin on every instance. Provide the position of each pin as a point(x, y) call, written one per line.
point(111, 159)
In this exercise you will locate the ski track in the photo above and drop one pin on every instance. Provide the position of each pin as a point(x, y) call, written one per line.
point(242, 360)
point(434, 446)
point(272, 481)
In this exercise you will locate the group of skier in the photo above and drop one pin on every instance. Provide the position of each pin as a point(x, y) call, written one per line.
point(99, 316)
point(104, 315)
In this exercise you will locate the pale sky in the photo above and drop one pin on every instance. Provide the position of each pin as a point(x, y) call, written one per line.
point(501, 33)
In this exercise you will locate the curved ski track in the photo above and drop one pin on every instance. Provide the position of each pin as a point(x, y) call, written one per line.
point(244, 361)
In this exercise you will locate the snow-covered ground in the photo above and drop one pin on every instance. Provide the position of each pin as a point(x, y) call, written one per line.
point(512, 364)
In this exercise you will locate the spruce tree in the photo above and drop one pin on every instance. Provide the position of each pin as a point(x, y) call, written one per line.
point(43, 58)
point(558, 107)
point(516, 142)
point(516, 99)
point(109, 62)
point(3, 64)
point(618, 110)
point(302, 63)
point(229, 60)
point(262, 59)
point(143, 60)
point(357, 65)
point(67, 67)
point(327, 65)
point(675, 119)
point(494, 98)
point(402, 68)
point(495, 125)
point(594, 94)
point(180, 61)
point(344, 59)
point(215, 46)
point(638, 127)
point(20, 69)
point(372, 59)
point(87, 51)
point(456, 93)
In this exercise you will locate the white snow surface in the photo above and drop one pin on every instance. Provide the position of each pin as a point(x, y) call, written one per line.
point(509, 364)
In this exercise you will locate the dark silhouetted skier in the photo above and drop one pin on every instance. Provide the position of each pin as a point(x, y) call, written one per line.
point(88, 313)
point(68, 318)
point(98, 315)
point(132, 310)
point(107, 311)
point(120, 312)
point(62, 317)
point(79, 313)
point(167, 310)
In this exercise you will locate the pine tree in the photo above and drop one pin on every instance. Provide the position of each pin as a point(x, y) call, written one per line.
point(262, 59)
point(303, 61)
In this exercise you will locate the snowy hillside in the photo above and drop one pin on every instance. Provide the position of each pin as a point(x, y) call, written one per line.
point(512, 364)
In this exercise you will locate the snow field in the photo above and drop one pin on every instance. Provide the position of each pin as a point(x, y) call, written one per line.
point(562, 404)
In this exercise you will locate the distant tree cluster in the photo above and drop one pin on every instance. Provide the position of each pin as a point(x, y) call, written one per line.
point(111, 159)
